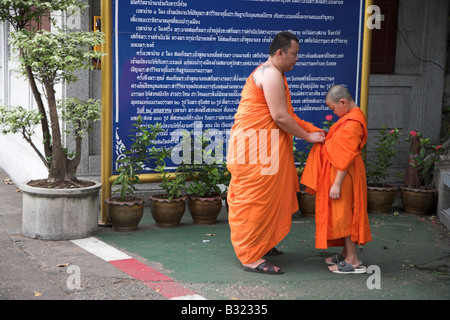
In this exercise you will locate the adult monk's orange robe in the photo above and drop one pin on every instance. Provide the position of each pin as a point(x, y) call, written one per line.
point(346, 216)
point(262, 191)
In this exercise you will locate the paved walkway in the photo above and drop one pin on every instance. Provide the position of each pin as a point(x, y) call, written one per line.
point(409, 258)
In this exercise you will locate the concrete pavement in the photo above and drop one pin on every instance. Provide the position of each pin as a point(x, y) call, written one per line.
point(409, 259)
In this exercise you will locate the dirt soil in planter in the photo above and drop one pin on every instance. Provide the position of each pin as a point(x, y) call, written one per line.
point(69, 184)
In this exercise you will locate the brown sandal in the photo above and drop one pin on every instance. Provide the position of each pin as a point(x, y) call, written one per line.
point(261, 269)
point(274, 252)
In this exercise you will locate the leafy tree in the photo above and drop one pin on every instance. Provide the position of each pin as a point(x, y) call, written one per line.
point(49, 58)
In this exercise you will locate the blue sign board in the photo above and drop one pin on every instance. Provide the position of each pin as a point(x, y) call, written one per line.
point(183, 63)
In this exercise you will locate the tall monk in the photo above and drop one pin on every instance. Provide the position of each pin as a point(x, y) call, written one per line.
point(335, 172)
point(262, 190)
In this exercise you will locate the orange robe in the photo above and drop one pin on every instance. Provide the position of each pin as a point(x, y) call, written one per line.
point(262, 190)
point(346, 216)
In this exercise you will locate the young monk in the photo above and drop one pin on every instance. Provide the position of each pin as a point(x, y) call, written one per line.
point(335, 172)
point(264, 182)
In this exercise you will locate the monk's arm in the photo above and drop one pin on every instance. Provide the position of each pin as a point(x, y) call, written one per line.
point(335, 190)
point(308, 126)
point(274, 89)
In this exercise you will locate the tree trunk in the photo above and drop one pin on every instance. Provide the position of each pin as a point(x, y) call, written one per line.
point(72, 164)
point(412, 175)
point(41, 109)
point(58, 162)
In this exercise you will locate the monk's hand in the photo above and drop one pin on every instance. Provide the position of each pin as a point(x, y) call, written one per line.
point(316, 137)
point(335, 192)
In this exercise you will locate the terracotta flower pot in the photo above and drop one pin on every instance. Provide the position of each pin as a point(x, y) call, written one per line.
point(167, 213)
point(380, 199)
point(125, 216)
point(204, 210)
point(306, 203)
point(418, 201)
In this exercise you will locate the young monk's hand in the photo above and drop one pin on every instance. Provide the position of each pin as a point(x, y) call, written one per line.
point(316, 137)
point(335, 192)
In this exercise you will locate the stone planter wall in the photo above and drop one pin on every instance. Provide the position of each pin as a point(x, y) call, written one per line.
point(62, 214)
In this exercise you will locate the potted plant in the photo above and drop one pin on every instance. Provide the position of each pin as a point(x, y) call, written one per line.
point(418, 195)
point(50, 58)
point(380, 196)
point(204, 193)
point(225, 178)
point(126, 211)
point(168, 208)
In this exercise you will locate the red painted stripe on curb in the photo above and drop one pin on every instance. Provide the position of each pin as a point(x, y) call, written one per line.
point(139, 270)
point(154, 279)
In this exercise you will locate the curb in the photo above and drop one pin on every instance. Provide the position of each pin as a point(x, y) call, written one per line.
point(154, 279)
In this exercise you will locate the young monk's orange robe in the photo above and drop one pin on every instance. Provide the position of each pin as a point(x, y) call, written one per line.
point(346, 216)
point(262, 191)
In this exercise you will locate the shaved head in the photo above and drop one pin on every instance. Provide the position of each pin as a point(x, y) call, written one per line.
point(337, 92)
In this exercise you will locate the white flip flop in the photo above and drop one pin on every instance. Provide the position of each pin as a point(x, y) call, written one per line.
point(347, 268)
point(337, 258)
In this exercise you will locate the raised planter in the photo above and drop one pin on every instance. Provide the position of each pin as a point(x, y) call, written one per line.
point(60, 214)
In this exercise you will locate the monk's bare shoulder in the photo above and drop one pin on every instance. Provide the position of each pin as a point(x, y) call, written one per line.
point(263, 72)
